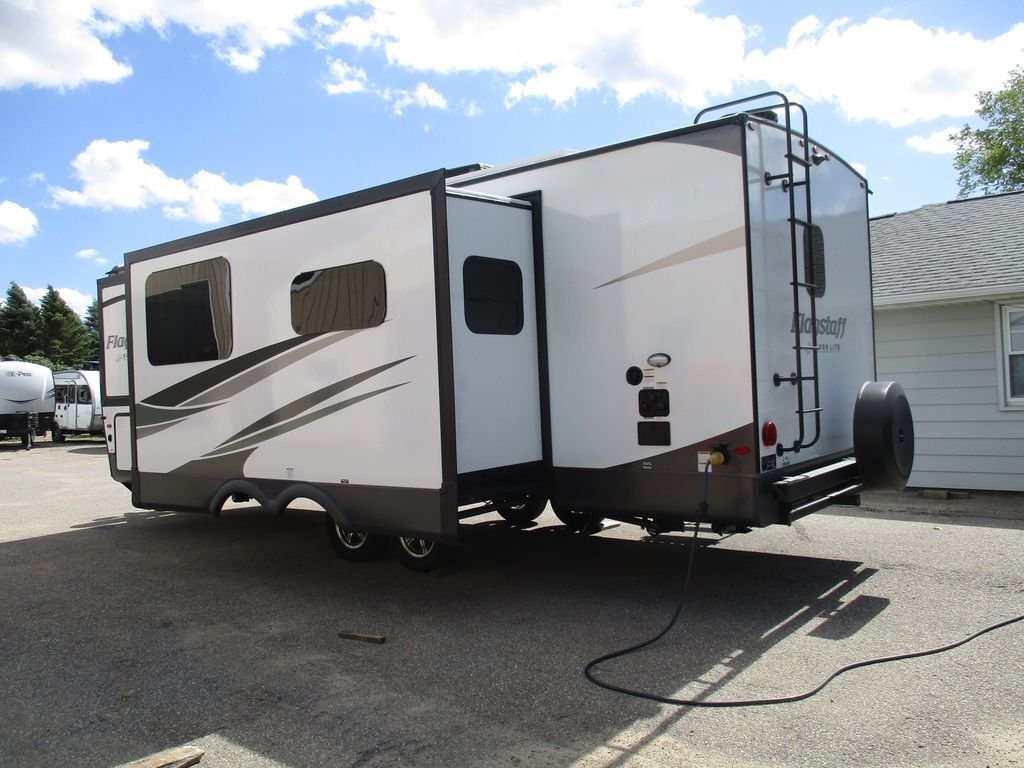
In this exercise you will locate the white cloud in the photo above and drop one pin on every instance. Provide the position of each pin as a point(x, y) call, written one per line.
point(91, 254)
point(860, 168)
point(421, 96)
point(75, 299)
point(472, 109)
point(61, 43)
point(36, 178)
point(345, 79)
point(886, 69)
point(938, 143)
point(893, 71)
point(115, 176)
point(17, 223)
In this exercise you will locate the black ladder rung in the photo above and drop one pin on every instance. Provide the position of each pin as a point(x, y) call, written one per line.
point(798, 160)
point(805, 285)
point(806, 347)
point(805, 411)
point(801, 222)
point(798, 183)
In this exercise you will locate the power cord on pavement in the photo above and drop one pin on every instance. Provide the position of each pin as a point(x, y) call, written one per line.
point(702, 510)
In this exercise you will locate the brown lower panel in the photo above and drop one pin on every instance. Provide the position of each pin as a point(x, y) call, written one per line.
point(376, 509)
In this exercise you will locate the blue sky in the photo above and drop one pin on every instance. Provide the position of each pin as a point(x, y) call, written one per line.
point(127, 123)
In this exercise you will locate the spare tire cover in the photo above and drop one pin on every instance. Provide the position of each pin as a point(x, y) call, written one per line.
point(883, 435)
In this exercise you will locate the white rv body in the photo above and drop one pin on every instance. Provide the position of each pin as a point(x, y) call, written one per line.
point(26, 400)
point(596, 329)
point(79, 404)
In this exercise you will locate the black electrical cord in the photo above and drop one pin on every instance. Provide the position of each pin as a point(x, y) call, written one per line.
point(701, 510)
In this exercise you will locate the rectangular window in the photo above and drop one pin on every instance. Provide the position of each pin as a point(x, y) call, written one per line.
point(1013, 351)
point(339, 298)
point(188, 313)
point(494, 295)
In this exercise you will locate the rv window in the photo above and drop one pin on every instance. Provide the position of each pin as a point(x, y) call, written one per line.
point(188, 313)
point(814, 260)
point(62, 393)
point(84, 398)
point(339, 298)
point(494, 295)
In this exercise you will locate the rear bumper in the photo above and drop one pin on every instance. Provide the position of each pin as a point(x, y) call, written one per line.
point(801, 493)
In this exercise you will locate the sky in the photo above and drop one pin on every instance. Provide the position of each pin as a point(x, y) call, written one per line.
point(128, 123)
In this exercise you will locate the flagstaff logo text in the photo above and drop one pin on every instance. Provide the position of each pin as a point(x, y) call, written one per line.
point(116, 342)
point(823, 326)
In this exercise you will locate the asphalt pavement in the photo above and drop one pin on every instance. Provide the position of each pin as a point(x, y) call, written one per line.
point(125, 632)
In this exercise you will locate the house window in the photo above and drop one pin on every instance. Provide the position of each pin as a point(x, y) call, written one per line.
point(339, 298)
point(494, 295)
point(188, 313)
point(1013, 352)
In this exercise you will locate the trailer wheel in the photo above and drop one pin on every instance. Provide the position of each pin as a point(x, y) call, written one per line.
point(57, 435)
point(525, 512)
point(422, 554)
point(357, 546)
point(883, 435)
point(578, 521)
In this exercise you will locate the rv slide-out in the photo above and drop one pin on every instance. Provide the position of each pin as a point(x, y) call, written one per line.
point(596, 330)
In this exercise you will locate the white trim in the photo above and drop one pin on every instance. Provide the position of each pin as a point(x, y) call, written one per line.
point(1002, 312)
point(991, 293)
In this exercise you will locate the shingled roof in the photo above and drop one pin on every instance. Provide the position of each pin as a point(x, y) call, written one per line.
point(962, 249)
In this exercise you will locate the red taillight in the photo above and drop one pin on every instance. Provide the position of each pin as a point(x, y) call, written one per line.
point(741, 450)
point(769, 434)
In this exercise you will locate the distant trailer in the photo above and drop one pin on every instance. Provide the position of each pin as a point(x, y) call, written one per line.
point(26, 401)
point(612, 331)
point(78, 404)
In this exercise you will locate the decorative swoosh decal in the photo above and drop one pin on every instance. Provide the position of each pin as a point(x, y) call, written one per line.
point(296, 407)
point(196, 385)
point(148, 416)
point(288, 426)
point(231, 388)
point(727, 241)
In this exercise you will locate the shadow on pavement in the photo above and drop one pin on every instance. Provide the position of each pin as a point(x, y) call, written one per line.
point(148, 630)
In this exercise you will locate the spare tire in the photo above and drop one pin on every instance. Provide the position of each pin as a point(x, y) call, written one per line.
point(883, 435)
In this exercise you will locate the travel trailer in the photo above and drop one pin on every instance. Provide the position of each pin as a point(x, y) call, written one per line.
point(78, 404)
point(26, 400)
point(670, 330)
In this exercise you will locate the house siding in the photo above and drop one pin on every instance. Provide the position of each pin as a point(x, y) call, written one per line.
point(946, 358)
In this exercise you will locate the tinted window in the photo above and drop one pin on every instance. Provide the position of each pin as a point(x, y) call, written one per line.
point(494, 295)
point(814, 260)
point(188, 313)
point(339, 298)
point(84, 396)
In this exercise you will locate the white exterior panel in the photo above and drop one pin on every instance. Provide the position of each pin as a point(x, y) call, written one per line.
point(644, 253)
point(497, 392)
point(846, 354)
point(391, 438)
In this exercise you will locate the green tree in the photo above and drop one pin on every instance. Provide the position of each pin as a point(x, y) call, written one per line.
point(20, 325)
point(991, 159)
point(92, 329)
point(65, 340)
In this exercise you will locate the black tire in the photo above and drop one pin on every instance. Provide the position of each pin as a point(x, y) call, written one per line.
point(883, 435)
point(525, 511)
point(57, 435)
point(356, 546)
point(578, 521)
point(423, 555)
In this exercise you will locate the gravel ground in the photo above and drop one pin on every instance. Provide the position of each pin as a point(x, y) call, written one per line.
point(125, 632)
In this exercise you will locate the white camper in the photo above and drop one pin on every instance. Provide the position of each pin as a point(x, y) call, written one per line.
point(597, 329)
point(26, 400)
point(78, 404)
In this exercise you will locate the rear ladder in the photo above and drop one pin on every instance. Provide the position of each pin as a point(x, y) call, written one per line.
point(802, 237)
